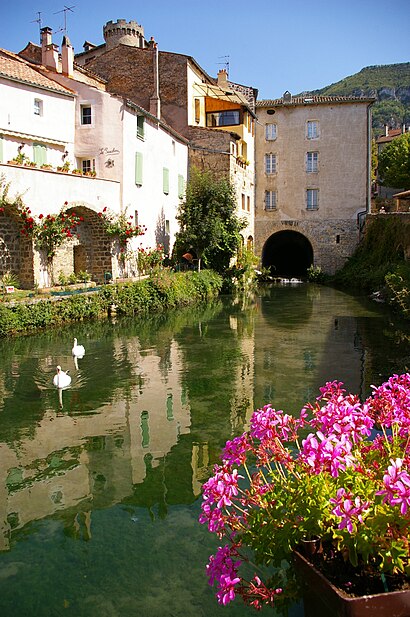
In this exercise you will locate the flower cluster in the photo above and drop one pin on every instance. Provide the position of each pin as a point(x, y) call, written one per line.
point(50, 231)
point(338, 471)
point(121, 227)
point(149, 258)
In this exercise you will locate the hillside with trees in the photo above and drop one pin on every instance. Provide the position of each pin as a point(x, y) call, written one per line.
point(389, 84)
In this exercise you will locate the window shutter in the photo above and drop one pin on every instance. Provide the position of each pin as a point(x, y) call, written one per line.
point(181, 186)
point(138, 168)
point(140, 127)
point(40, 154)
point(165, 180)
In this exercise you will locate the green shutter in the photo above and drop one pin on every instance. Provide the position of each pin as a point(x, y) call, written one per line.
point(140, 127)
point(138, 168)
point(181, 186)
point(40, 154)
point(165, 180)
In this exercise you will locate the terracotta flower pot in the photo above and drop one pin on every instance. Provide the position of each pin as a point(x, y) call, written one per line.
point(322, 599)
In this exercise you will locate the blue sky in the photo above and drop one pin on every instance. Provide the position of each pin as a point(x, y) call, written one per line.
point(272, 45)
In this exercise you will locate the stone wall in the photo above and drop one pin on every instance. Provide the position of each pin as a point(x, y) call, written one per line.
point(129, 72)
point(16, 251)
point(333, 241)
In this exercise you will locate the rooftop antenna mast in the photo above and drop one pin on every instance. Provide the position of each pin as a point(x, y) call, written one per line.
point(39, 22)
point(225, 63)
point(65, 11)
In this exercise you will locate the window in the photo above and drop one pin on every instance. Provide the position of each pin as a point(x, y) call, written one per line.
point(181, 186)
point(197, 104)
point(140, 127)
point(39, 154)
point(248, 203)
point(87, 165)
point(165, 180)
point(270, 200)
point(270, 163)
point(38, 107)
point(312, 159)
point(270, 132)
point(1, 148)
point(312, 129)
point(312, 199)
point(85, 114)
point(138, 168)
point(229, 117)
point(243, 201)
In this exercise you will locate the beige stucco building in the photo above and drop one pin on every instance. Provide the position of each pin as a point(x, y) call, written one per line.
point(312, 181)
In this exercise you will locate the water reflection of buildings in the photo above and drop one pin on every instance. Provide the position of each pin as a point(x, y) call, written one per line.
point(78, 462)
point(303, 342)
point(89, 456)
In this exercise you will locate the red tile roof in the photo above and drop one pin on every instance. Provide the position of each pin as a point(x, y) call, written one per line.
point(310, 99)
point(392, 134)
point(15, 68)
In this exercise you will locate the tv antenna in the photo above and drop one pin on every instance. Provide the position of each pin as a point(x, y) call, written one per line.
point(65, 10)
point(39, 22)
point(225, 63)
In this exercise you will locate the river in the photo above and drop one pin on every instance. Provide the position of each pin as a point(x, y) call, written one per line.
point(100, 487)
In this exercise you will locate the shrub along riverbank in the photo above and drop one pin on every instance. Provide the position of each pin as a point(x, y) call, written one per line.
point(163, 290)
point(379, 262)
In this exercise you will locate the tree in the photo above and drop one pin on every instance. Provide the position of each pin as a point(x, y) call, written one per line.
point(207, 220)
point(394, 163)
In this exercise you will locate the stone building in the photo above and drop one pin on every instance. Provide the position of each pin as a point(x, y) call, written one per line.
point(312, 181)
point(215, 115)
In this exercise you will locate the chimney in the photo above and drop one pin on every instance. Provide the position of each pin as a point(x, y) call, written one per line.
point(386, 130)
point(67, 57)
point(155, 101)
point(223, 79)
point(49, 51)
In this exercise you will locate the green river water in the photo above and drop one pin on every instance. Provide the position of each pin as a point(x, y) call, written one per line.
point(100, 487)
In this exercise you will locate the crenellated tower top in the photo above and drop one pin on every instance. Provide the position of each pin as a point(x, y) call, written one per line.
point(123, 32)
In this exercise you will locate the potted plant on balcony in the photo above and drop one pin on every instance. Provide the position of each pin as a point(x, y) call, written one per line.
point(337, 475)
point(20, 159)
point(64, 168)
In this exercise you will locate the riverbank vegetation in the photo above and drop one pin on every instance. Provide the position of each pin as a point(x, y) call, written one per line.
point(163, 290)
point(379, 264)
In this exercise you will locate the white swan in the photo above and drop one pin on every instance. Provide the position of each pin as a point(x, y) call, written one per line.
point(61, 379)
point(78, 350)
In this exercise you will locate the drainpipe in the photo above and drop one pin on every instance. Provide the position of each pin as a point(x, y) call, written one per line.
point(361, 216)
point(369, 158)
point(155, 102)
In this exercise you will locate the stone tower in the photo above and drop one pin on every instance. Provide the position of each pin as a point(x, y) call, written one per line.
point(122, 32)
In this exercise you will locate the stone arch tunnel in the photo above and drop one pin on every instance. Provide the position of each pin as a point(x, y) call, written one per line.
point(287, 254)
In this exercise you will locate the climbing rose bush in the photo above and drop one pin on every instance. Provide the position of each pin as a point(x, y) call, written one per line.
point(49, 231)
point(339, 472)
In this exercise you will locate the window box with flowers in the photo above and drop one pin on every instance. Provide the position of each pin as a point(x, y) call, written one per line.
point(336, 478)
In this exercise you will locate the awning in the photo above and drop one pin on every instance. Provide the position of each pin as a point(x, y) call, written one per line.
point(42, 138)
